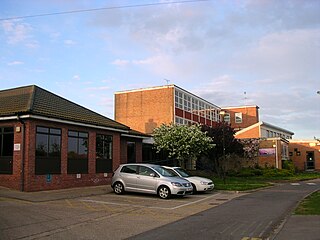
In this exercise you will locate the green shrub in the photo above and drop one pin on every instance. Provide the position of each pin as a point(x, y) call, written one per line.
point(288, 165)
point(273, 172)
point(249, 172)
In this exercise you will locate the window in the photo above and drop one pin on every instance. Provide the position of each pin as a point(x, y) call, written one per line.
point(179, 121)
point(238, 117)
point(145, 171)
point(129, 169)
point(226, 117)
point(131, 152)
point(178, 99)
point(6, 150)
point(48, 151)
point(104, 154)
point(195, 106)
point(187, 103)
point(77, 152)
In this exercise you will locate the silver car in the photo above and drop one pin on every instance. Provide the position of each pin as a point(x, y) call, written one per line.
point(199, 184)
point(149, 178)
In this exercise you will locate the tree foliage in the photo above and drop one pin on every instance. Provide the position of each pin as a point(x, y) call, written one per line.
point(181, 142)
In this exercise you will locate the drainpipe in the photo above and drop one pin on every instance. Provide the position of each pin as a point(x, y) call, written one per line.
point(22, 153)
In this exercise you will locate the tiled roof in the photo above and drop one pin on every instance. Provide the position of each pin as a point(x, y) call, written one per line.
point(37, 101)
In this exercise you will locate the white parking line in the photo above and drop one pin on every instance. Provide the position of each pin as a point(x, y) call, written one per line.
point(162, 208)
point(311, 183)
point(295, 184)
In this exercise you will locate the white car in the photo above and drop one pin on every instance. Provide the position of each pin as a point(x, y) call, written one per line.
point(199, 184)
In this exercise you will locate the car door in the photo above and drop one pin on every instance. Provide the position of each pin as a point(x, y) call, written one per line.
point(147, 179)
point(129, 176)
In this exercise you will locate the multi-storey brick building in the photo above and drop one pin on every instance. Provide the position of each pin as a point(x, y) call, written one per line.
point(48, 142)
point(147, 108)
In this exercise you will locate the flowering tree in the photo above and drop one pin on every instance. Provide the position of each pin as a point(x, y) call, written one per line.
point(250, 148)
point(181, 142)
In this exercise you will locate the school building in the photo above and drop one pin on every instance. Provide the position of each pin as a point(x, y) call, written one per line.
point(147, 108)
point(48, 142)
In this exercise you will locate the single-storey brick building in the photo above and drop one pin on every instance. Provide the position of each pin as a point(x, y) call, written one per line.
point(48, 142)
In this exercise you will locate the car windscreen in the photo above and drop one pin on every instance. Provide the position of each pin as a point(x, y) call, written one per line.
point(164, 172)
point(182, 172)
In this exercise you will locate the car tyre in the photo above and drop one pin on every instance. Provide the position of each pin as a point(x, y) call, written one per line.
point(118, 188)
point(164, 192)
point(194, 191)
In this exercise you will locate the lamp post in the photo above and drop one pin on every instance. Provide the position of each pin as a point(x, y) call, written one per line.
point(222, 114)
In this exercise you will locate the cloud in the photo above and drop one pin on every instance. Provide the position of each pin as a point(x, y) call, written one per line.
point(15, 63)
point(69, 42)
point(19, 32)
point(76, 77)
point(121, 63)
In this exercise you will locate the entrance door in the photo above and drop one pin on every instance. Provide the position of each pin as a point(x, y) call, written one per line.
point(310, 161)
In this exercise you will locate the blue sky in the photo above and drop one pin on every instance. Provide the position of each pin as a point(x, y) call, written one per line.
point(217, 49)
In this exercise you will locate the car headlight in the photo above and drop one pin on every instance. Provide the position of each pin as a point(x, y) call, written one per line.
point(176, 184)
point(203, 183)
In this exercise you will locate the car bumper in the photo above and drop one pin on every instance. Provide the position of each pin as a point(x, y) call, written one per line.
point(203, 188)
point(182, 191)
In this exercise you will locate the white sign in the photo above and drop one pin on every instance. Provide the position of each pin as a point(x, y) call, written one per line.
point(16, 147)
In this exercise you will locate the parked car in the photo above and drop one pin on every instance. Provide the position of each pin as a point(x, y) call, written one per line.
point(149, 178)
point(199, 184)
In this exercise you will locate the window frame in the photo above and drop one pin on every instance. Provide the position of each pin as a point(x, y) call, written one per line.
point(53, 163)
point(77, 163)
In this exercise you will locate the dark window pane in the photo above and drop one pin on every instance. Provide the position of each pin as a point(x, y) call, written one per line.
point(6, 165)
point(83, 134)
point(41, 144)
point(131, 152)
point(73, 134)
point(7, 144)
point(77, 154)
point(48, 151)
point(6, 150)
point(72, 145)
point(54, 146)
point(83, 147)
point(129, 169)
point(55, 131)
point(103, 153)
point(42, 130)
point(8, 130)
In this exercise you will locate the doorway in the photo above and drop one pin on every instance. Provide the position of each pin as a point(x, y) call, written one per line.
point(310, 161)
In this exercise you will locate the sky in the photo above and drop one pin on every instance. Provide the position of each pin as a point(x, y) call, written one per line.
point(229, 52)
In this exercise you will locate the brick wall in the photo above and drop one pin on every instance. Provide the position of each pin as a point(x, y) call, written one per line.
point(298, 153)
point(251, 133)
point(146, 109)
point(250, 116)
point(34, 182)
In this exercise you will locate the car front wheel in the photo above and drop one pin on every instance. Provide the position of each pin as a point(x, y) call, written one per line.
point(118, 188)
point(164, 192)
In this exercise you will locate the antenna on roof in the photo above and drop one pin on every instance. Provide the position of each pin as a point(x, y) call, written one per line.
point(167, 80)
point(245, 98)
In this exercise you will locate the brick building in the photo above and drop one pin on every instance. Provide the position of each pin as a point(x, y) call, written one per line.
point(147, 108)
point(305, 154)
point(48, 142)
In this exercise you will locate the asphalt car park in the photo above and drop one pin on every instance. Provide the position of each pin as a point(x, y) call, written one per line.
point(95, 213)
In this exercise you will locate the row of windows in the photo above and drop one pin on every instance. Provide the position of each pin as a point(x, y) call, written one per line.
point(48, 152)
point(194, 105)
point(238, 118)
point(271, 134)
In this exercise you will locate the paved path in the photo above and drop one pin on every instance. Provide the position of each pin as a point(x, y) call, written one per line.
point(260, 215)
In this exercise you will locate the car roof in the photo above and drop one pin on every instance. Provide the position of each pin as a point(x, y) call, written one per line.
point(139, 164)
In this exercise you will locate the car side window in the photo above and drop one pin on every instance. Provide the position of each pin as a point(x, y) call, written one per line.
point(145, 171)
point(129, 169)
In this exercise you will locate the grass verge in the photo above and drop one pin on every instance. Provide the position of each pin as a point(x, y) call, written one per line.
point(310, 205)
